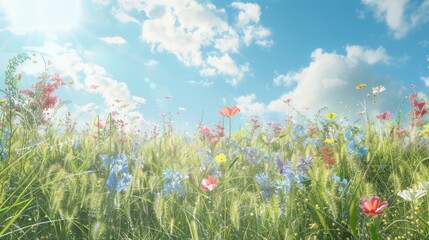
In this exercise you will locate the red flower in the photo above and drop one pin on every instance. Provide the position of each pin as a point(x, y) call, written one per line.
point(209, 184)
point(229, 112)
point(384, 116)
point(372, 207)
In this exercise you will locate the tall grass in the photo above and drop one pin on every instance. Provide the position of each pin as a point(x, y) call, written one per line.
point(56, 185)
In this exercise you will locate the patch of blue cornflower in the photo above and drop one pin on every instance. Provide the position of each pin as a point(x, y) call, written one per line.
point(342, 183)
point(264, 183)
point(355, 143)
point(173, 182)
point(119, 177)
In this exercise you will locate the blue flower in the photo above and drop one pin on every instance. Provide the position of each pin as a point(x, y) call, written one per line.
point(173, 182)
point(119, 177)
point(76, 145)
point(343, 183)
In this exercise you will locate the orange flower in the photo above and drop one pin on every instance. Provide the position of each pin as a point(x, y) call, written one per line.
point(372, 207)
point(229, 112)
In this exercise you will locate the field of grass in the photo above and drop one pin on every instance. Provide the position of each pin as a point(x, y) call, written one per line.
point(318, 178)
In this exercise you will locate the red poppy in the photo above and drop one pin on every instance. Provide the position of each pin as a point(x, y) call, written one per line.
point(229, 112)
point(209, 183)
point(372, 207)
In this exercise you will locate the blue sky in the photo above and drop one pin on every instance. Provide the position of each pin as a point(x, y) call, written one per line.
point(207, 54)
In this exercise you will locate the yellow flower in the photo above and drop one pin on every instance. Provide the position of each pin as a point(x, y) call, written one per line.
point(3, 101)
point(331, 115)
point(329, 140)
point(425, 131)
point(360, 86)
point(221, 158)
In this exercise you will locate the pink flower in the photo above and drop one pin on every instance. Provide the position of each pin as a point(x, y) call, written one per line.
point(384, 116)
point(372, 207)
point(209, 184)
point(400, 132)
point(167, 97)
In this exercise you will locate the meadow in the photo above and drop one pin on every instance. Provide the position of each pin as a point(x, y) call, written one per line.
point(316, 178)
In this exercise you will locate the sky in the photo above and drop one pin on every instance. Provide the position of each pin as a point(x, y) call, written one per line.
point(189, 58)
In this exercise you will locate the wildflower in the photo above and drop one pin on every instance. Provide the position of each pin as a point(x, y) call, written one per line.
point(327, 156)
point(400, 132)
point(221, 158)
point(229, 112)
point(411, 194)
point(173, 184)
point(331, 115)
point(269, 139)
point(372, 207)
point(329, 140)
point(384, 116)
point(209, 184)
point(343, 182)
point(378, 89)
point(167, 97)
point(19, 76)
point(2, 101)
point(119, 178)
point(360, 86)
point(360, 113)
point(99, 124)
point(425, 131)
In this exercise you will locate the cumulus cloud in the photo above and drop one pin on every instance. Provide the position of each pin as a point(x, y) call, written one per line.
point(330, 80)
point(198, 33)
point(284, 79)
point(114, 40)
point(401, 15)
point(88, 77)
point(249, 106)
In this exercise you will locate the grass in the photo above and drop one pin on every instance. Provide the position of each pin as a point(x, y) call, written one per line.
point(72, 185)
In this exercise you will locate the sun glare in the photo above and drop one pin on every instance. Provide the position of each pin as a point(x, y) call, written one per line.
point(46, 16)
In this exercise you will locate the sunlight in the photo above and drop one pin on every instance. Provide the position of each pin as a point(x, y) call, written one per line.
point(46, 16)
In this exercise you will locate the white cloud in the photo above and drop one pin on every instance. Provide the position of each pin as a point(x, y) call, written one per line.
point(202, 83)
point(151, 62)
point(114, 40)
point(226, 65)
point(249, 13)
point(425, 80)
point(285, 79)
point(330, 80)
point(361, 54)
point(248, 23)
point(124, 17)
point(400, 15)
point(88, 77)
point(248, 106)
point(196, 31)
